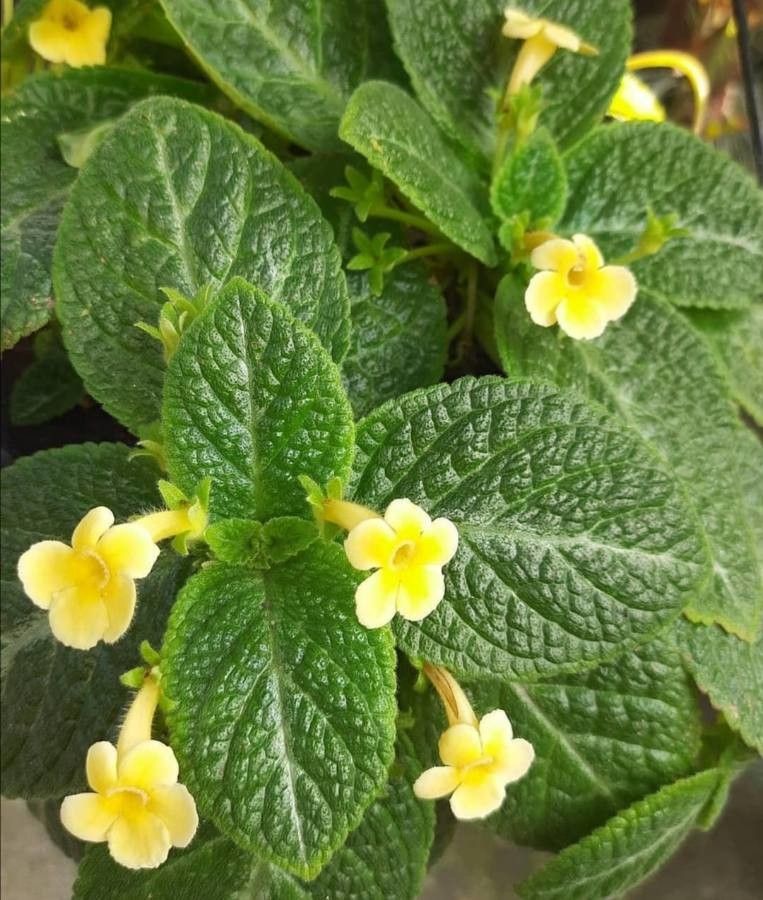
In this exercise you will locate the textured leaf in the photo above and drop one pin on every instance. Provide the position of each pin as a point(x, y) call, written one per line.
point(177, 197)
point(399, 337)
point(736, 337)
point(57, 701)
point(620, 854)
point(48, 388)
point(602, 740)
point(398, 137)
point(621, 171)
point(655, 372)
point(459, 63)
point(36, 180)
point(293, 67)
point(574, 545)
point(284, 728)
point(253, 401)
point(258, 545)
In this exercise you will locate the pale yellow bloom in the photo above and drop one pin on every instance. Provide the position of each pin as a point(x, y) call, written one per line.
point(635, 101)
point(408, 550)
point(70, 32)
point(137, 804)
point(480, 758)
point(89, 587)
point(576, 289)
point(542, 38)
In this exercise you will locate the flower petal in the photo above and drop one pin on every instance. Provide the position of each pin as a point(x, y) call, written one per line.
point(460, 745)
point(544, 293)
point(376, 598)
point(614, 289)
point(370, 544)
point(581, 318)
point(421, 590)
point(128, 549)
point(101, 766)
point(513, 762)
point(87, 816)
point(148, 765)
point(562, 36)
point(78, 618)
point(495, 731)
point(139, 841)
point(92, 527)
point(44, 570)
point(588, 250)
point(556, 255)
point(119, 600)
point(175, 806)
point(519, 25)
point(477, 797)
point(49, 40)
point(438, 545)
point(436, 782)
point(407, 519)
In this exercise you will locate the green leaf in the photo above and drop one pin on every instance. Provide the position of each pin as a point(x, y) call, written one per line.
point(399, 337)
point(602, 740)
point(531, 180)
point(210, 204)
point(736, 338)
point(284, 728)
point(36, 180)
point(620, 854)
point(258, 545)
point(291, 68)
point(573, 544)
point(459, 63)
point(656, 373)
point(47, 388)
point(57, 701)
point(253, 401)
point(398, 137)
point(621, 171)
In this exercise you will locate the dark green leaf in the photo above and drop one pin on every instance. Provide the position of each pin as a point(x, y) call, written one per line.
point(253, 401)
point(57, 701)
point(177, 197)
point(574, 544)
point(48, 812)
point(284, 728)
point(48, 388)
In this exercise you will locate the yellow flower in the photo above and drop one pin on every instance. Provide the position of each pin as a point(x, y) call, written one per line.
point(576, 289)
point(137, 804)
point(408, 550)
point(541, 39)
point(89, 588)
point(635, 100)
point(72, 33)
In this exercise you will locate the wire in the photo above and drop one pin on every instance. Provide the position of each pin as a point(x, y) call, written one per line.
point(745, 58)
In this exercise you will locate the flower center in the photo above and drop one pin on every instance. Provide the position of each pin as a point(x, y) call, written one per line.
point(576, 275)
point(129, 800)
point(403, 555)
point(89, 570)
point(69, 22)
point(478, 764)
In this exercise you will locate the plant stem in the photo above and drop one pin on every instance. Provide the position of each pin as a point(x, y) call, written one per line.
point(456, 326)
point(748, 78)
point(399, 215)
point(470, 311)
point(429, 250)
point(7, 12)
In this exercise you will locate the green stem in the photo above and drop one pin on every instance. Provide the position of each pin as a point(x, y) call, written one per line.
point(456, 327)
point(470, 311)
point(440, 249)
point(7, 12)
point(406, 218)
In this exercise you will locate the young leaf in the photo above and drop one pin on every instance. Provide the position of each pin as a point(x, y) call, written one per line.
point(573, 544)
point(291, 68)
point(459, 63)
point(620, 854)
point(48, 388)
point(656, 373)
point(56, 701)
point(621, 171)
point(210, 204)
point(602, 740)
point(398, 137)
point(36, 180)
point(254, 401)
point(284, 728)
point(257, 544)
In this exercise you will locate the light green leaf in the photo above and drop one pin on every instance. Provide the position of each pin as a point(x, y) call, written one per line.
point(602, 740)
point(398, 137)
point(736, 338)
point(259, 545)
point(57, 701)
point(177, 197)
point(656, 373)
point(620, 854)
point(459, 63)
point(621, 171)
point(573, 544)
point(36, 180)
point(284, 728)
point(399, 337)
point(253, 401)
point(293, 67)
point(47, 388)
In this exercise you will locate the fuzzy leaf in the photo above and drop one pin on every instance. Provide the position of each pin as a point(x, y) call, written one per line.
point(177, 197)
point(48, 388)
point(574, 544)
